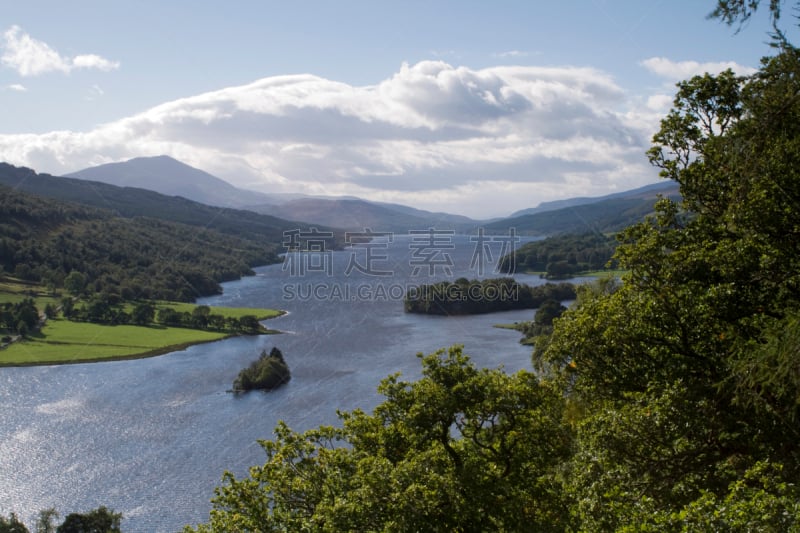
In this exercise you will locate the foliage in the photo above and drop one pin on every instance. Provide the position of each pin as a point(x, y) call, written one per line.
point(100, 520)
point(686, 373)
point(481, 296)
point(540, 328)
point(562, 256)
point(12, 524)
point(20, 317)
point(462, 449)
point(267, 372)
point(87, 250)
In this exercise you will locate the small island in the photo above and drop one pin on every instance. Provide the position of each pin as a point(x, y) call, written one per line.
point(268, 372)
point(466, 297)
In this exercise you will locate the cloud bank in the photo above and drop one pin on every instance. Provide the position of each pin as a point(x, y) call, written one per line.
point(31, 57)
point(479, 142)
point(683, 70)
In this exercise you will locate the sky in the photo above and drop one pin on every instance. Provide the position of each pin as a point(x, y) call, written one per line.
point(471, 107)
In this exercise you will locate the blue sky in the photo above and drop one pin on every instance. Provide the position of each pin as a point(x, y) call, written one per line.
point(479, 108)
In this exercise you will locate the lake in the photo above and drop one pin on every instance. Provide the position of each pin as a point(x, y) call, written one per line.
point(151, 438)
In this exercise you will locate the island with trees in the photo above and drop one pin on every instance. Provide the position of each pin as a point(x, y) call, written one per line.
point(464, 297)
point(267, 372)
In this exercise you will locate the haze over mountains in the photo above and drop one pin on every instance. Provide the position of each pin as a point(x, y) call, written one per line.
point(170, 177)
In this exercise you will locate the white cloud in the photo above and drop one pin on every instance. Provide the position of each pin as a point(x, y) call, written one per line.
point(31, 57)
point(479, 142)
point(683, 70)
point(511, 54)
point(17, 87)
point(94, 61)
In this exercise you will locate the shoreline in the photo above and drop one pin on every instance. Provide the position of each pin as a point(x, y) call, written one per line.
point(153, 352)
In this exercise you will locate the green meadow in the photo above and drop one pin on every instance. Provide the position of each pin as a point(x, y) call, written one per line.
point(65, 341)
point(62, 341)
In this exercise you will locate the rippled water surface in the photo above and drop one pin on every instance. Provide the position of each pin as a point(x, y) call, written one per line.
point(151, 437)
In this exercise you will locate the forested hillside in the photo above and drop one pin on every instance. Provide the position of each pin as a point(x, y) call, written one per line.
point(44, 240)
point(132, 202)
point(669, 401)
point(600, 217)
point(561, 256)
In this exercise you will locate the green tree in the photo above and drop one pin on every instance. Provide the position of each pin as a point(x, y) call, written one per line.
point(75, 283)
point(461, 449)
point(200, 316)
point(143, 313)
point(100, 520)
point(267, 372)
point(249, 324)
point(12, 524)
point(681, 380)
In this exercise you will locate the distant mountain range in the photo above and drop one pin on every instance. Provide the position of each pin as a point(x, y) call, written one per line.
point(665, 188)
point(170, 177)
point(605, 214)
point(129, 202)
point(357, 214)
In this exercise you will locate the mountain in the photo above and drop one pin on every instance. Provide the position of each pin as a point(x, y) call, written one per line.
point(169, 176)
point(357, 214)
point(131, 202)
point(598, 215)
point(666, 188)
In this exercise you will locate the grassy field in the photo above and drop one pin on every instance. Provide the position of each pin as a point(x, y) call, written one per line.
point(13, 290)
point(227, 312)
point(63, 341)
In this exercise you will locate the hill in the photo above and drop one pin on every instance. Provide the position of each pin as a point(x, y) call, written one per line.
point(357, 214)
point(169, 176)
point(46, 240)
point(666, 188)
point(606, 214)
point(134, 202)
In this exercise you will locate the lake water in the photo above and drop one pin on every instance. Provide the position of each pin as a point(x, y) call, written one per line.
point(151, 437)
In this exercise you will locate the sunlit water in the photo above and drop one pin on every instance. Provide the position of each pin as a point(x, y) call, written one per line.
point(151, 437)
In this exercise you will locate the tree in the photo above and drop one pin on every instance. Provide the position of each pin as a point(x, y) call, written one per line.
point(739, 12)
point(67, 306)
point(249, 324)
point(267, 372)
point(462, 449)
point(169, 316)
point(200, 316)
point(143, 313)
point(100, 520)
point(12, 524)
point(681, 377)
point(75, 283)
point(44, 523)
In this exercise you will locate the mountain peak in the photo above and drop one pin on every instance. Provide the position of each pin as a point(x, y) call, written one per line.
point(167, 175)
